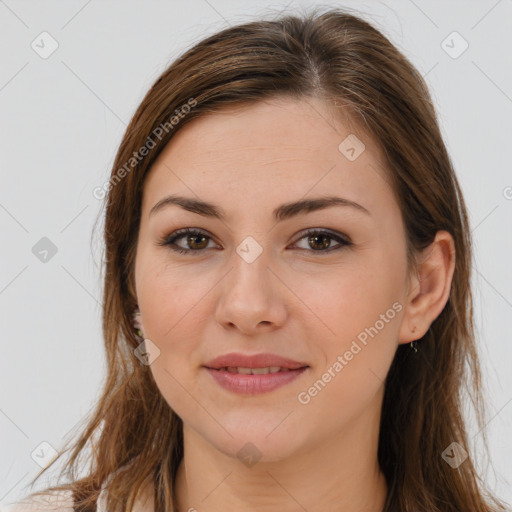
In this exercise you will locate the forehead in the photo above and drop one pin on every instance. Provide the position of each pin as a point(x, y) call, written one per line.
point(268, 151)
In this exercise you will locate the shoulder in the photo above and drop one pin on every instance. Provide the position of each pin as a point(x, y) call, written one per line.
point(54, 501)
point(144, 501)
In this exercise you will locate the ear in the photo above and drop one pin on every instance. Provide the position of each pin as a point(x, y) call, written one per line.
point(429, 289)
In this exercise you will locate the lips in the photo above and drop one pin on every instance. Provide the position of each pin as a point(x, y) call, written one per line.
point(250, 375)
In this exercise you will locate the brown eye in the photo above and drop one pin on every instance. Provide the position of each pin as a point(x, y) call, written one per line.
point(321, 241)
point(195, 241)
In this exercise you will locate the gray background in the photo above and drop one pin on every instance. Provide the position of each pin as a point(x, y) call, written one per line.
point(62, 118)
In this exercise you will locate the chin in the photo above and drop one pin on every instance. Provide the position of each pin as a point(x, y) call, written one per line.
point(257, 443)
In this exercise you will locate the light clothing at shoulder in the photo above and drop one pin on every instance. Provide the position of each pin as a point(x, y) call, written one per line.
point(62, 501)
point(55, 501)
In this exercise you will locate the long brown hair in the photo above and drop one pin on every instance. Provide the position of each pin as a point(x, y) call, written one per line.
point(342, 59)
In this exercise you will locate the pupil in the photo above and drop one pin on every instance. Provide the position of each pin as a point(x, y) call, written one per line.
point(316, 237)
point(192, 239)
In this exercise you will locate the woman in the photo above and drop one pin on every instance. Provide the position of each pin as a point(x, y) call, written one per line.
point(287, 305)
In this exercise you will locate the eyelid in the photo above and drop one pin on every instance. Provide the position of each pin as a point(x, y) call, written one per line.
point(324, 231)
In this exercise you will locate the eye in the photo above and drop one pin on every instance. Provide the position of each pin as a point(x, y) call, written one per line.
point(320, 239)
point(197, 240)
point(194, 238)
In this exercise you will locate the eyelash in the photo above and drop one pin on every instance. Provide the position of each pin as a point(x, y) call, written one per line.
point(171, 239)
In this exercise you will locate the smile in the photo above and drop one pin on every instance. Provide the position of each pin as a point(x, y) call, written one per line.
point(251, 381)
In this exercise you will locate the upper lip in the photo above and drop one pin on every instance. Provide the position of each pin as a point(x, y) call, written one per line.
point(253, 361)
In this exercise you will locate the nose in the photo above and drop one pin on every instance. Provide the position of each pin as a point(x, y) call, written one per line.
point(252, 298)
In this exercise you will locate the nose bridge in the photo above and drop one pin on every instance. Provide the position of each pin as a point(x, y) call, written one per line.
point(250, 262)
point(249, 296)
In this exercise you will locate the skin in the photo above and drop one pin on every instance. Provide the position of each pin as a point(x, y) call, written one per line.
point(293, 300)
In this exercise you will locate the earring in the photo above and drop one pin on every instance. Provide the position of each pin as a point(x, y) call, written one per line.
point(414, 342)
point(137, 324)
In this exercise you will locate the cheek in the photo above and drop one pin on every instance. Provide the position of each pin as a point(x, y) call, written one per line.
point(172, 307)
point(349, 301)
point(363, 312)
point(174, 302)
point(171, 298)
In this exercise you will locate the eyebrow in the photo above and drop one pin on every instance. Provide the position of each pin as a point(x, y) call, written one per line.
point(283, 212)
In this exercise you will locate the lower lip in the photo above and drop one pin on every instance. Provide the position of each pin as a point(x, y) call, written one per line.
point(254, 384)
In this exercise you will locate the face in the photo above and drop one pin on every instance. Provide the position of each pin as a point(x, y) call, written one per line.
point(251, 283)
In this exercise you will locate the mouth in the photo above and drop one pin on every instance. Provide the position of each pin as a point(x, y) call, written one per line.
point(251, 374)
point(252, 381)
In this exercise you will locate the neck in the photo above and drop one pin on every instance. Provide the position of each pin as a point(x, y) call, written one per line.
point(339, 473)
